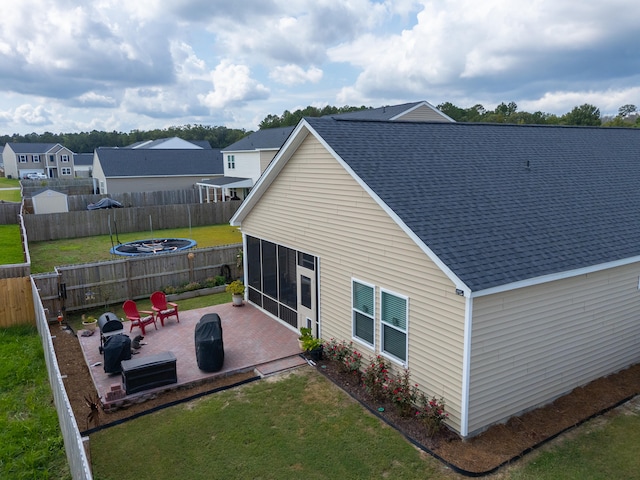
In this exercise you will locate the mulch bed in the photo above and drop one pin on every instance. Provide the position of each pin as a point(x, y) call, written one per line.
point(486, 452)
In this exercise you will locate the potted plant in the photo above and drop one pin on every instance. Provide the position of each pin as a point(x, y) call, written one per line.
point(311, 345)
point(236, 289)
point(89, 323)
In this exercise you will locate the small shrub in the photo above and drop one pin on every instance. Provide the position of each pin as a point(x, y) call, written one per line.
point(432, 413)
point(403, 394)
point(191, 286)
point(375, 378)
point(169, 290)
point(352, 362)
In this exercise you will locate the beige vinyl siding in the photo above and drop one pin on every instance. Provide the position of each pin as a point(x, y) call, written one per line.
point(534, 344)
point(423, 114)
point(315, 206)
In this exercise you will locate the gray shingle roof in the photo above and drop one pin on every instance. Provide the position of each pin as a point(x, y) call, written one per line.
point(83, 159)
point(269, 138)
point(502, 203)
point(126, 162)
point(36, 148)
point(381, 113)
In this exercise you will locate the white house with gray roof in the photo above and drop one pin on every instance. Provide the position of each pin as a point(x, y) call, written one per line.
point(499, 263)
point(246, 159)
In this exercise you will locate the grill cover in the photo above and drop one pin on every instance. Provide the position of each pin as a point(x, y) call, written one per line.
point(109, 322)
point(209, 346)
point(116, 348)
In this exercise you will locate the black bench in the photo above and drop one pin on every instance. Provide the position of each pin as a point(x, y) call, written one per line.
point(149, 372)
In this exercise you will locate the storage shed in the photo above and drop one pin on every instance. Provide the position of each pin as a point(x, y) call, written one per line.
point(49, 201)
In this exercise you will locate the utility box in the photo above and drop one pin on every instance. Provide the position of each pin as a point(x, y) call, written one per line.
point(149, 372)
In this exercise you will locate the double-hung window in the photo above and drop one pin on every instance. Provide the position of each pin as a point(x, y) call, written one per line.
point(65, 158)
point(23, 159)
point(394, 310)
point(363, 311)
point(66, 171)
point(231, 161)
point(35, 158)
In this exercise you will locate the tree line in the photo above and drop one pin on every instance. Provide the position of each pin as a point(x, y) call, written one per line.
point(221, 137)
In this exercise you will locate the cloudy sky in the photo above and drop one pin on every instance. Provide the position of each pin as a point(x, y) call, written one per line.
point(69, 65)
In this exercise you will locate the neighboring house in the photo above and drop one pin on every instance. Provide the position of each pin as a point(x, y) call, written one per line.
point(83, 164)
point(246, 159)
point(51, 159)
point(49, 201)
point(499, 263)
point(121, 170)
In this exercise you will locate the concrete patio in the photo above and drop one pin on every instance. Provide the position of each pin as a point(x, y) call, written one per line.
point(252, 342)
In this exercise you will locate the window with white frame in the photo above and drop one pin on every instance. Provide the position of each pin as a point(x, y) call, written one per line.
point(35, 158)
point(65, 158)
point(363, 311)
point(231, 161)
point(394, 312)
point(65, 171)
point(23, 159)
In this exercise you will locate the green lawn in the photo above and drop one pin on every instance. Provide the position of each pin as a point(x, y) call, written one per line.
point(10, 195)
point(47, 255)
point(603, 450)
point(9, 182)
point(31, 445)
point(304, 427)
point(10, 245)
point(74, 319)
point(298, 427)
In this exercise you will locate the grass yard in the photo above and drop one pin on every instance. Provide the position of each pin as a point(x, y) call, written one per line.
point(602, 450)
point(299, 426)
point(10, 245)
point(31, 445)
point(47, 255)
point(74, 319)
point(9, 182)
point(10, 195)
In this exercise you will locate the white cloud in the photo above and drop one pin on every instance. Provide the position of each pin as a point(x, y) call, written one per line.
point(295, 75)
point(31, 115)
point(232, 84)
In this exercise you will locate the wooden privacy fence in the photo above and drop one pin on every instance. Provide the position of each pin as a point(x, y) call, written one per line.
point(9, 213)
point(86, 223)
point(16, 302)
point(138, 199)
point(85, 286)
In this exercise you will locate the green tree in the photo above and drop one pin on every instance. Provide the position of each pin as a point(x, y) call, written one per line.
point(627, 110)
point(585, 114)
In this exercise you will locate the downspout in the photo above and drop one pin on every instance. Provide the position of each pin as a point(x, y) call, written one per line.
point(466, 367)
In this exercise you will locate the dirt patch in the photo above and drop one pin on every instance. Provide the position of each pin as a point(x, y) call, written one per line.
point(483, 453)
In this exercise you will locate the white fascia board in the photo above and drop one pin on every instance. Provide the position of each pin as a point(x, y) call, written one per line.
point(556, 276)
point(272, 171)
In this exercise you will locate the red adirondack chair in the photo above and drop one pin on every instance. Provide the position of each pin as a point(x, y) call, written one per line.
point(162, 308)
point(138, 318)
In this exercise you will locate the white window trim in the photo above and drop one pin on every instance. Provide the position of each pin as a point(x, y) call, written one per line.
point(393, 358)
point(231, 162)
point(22, 159)
point(35, 158)
point(65, 158)
point(372, 315)
point(65, 171)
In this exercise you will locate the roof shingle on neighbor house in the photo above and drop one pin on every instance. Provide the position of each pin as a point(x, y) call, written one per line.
point(500, 204)
point(414, 111)
point(125, 162)
point(267, 139)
